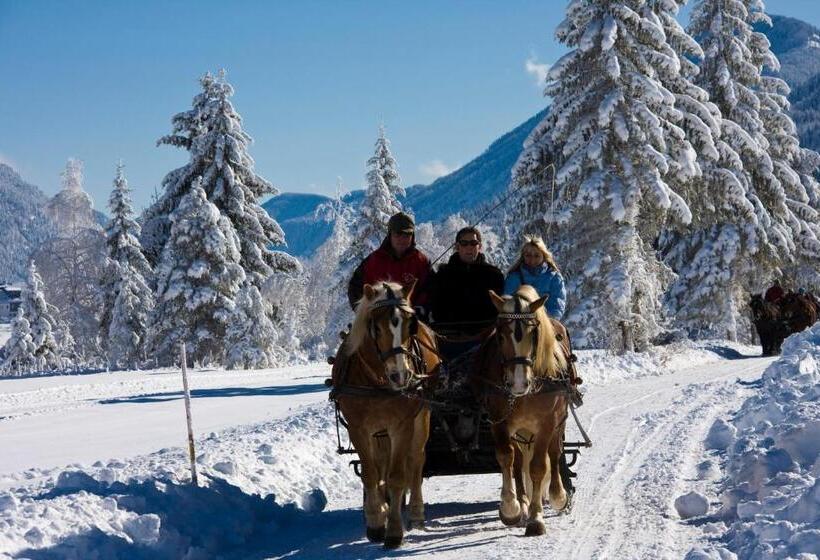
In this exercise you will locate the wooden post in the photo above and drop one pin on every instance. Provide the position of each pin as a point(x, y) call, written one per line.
point(191, 450)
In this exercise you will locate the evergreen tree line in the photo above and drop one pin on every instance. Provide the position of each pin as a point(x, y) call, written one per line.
point(192, 271)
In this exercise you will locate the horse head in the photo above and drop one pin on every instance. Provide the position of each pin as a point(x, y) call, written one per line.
point(763, 310)
point(526, 340)
point(386, 318)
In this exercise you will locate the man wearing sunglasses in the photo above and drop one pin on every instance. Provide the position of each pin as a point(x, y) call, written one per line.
point(460, 293)
point(396, 260)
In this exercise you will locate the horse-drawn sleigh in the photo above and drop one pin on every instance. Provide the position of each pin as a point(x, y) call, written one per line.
point(411, 412)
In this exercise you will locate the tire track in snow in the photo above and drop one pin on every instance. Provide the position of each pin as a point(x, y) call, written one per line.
point(623, 517)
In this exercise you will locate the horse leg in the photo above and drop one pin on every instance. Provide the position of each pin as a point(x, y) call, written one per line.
point(400, 441)
point(415, 468)
point(557, 493)
point(522, 479)
point(538, 471)
point(374, 507)
point(510, 510)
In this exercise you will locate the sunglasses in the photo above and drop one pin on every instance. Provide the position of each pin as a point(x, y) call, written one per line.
point(471, 243)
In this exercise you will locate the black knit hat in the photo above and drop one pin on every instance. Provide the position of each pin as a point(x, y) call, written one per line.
point(401, 223)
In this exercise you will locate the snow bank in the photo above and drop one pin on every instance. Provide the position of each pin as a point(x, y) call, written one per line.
point(261, 490)
point(771, 493)
point(599, 367)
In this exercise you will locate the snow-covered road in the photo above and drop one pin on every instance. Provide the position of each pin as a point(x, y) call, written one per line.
point(647, 444)
point(647, 416)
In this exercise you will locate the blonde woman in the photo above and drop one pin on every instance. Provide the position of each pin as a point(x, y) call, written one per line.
point(536, 266)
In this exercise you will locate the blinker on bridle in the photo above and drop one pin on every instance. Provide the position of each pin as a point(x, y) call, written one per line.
point(393, 303)
point(519, 319)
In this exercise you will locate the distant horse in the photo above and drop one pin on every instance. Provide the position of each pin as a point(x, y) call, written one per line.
point(515, 379)
point(769, 323)
point(798, 311)
point(390, 353)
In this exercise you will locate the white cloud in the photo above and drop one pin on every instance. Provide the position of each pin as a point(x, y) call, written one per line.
point(435, 169)
point(537, 70)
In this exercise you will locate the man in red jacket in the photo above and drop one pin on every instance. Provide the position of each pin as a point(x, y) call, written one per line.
point(396, 260)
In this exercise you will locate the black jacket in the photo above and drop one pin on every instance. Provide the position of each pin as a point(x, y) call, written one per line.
point(460, 293)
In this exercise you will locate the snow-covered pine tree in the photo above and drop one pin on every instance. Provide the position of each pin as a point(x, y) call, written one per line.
point(610, 129)
point(731, 72)
point(706, 254)
point(369, 225)
point(212, 132)
point(383, 164)
point(19, 349)
point(789, 160)
point(186, 127)
point(198, 278)
point(43, 321)
point(126, 265)
point(250, 337)
point(129, 320)
point(744, 229)
point(361, 234)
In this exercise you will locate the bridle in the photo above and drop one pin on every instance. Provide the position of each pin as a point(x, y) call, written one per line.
point(414, 352)
point(520, 319)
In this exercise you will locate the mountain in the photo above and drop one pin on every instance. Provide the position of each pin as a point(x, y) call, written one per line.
point(797, 46)
point(465, 190)
point(795, 42)
point(24, 224)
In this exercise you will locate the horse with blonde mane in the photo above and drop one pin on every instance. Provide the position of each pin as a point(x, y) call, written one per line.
point(518, 381)
point(390, 356)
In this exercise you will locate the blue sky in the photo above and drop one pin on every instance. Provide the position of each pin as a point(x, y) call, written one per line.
point(100, 80)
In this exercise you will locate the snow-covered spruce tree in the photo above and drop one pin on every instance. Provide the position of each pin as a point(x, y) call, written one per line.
point(731, 72)
point(129, 320)
point(43, 321)
point(384, 165)
point(250, 337)
point(359, 235)
point(706, 254)
point(126, 265)
point(369, 224)
point(609, 129)
point(186, 127)
point(19, 349)
point(218, 146)
point(198, 278)
point(744, 229)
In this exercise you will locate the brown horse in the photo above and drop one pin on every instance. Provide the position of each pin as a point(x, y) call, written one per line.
point(768, 320)
point(798, 311)
point(390, 353)
point(514, 367)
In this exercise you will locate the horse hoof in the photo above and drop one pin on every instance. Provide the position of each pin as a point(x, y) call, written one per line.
point(375, 534)
point(415, 524)
point(535, 529)
point(393, 542)
point(511, 521)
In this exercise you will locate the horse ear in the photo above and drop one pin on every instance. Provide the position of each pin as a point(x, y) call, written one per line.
point(537, 304)
point(369, 292)
point(498, 301)
point(407, 290)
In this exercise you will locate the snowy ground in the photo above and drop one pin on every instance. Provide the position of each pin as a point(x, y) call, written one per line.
point(269, 443)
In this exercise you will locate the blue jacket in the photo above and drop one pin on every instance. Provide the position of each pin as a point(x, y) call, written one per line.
point(545, 280)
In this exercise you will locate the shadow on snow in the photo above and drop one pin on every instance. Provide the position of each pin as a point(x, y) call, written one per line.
point(221, 521)
point(273, 391)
